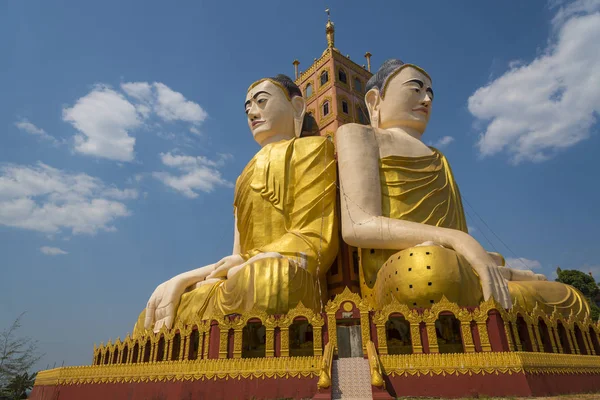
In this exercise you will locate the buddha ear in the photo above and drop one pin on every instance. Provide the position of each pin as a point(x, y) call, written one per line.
point(373, 101)
point(299, 105)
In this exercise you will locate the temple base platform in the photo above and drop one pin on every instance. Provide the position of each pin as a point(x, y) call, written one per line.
point(431, 375)
point(443, 351)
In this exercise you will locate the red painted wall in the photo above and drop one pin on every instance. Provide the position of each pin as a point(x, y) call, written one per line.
point(452, 386)
point(267, 388)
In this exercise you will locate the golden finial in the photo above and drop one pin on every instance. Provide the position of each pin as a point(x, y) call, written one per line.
point(330, 30)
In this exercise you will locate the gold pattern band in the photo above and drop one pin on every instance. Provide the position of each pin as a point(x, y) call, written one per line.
point(489, 363)
point(394, 365)
point(183, 370)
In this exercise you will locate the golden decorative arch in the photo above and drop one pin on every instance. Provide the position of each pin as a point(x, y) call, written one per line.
point(481, 315)
point(334, 305)
point(514, 313)
point(412, 316)
point(536, 314)
point(315, 319)
point(516, 310)
point(430, 315)
point(463, 315)
point(237, 323)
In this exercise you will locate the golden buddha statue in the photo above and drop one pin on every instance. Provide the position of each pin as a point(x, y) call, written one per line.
point(402, 207)
point(286, 233)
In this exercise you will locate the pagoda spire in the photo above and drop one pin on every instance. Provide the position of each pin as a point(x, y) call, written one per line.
point(330, 31)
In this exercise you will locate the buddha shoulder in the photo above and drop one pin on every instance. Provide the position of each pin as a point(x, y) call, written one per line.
point(355, 136)
point(313, 145)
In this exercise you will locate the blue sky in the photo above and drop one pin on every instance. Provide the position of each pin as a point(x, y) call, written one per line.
point(123, 131)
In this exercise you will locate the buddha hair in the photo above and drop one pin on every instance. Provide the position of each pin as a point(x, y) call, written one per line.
point(387, 71)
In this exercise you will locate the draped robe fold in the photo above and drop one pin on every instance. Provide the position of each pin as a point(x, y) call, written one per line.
point(423, 190)
point(285, 203)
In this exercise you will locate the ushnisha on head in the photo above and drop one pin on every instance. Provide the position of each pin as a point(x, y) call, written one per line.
point(276, 110)
point(399, 95)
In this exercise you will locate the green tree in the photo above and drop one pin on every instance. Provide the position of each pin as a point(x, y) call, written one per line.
point(583, 282)
point(19, 385)
point(17, 353)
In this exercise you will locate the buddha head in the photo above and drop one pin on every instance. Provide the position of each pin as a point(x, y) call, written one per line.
point(276, 110)
point(399, 95)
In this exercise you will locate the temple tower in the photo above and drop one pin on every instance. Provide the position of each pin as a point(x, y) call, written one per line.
point(334, 88)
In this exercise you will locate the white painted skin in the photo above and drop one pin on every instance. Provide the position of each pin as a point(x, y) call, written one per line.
point(271, 118)
point(399, 120)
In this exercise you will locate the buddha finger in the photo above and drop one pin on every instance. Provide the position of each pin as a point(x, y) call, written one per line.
point(497, 280)
point(208, 281)
point(220, 272)
point(168, 321)
point(150, 309)
point(502, 289)
point(164, 310)
point(158, 325)
point(487, 285)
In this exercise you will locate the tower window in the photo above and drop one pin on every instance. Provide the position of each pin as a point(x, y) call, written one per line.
point(342, 76)
point(308, 91)
point(362, 118)
point(357, 85)
point(324, 77)
point(325, 108)
point(345, 107)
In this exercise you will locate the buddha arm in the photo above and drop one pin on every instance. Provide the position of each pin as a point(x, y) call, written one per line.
point(311, 231)
point(364, 226)
point(362, 222)
point(236, 234)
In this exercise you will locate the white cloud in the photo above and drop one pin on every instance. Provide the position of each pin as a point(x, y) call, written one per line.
point(49, 200)
point(104, 118)
point(195, 173)
point(442, 142)
point(28, 127)
point(534, 110)
point(141, 91)
point(52, 251)
point(523, 263)
point(172, 106)
point(168, 104)
point(568, 9)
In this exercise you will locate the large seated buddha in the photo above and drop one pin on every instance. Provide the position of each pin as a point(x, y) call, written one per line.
point(285, 228)
point(402, 207)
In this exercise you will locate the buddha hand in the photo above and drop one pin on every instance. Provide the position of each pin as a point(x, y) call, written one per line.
point(231, 265)
point(162, 306)
point(492, 281)
point(223, 266)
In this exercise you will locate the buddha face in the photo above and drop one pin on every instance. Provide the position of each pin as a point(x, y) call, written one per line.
point(271, 114)
point(406, 102)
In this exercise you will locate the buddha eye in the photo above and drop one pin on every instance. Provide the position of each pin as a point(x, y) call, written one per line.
point(261, 101)
point(417, 90)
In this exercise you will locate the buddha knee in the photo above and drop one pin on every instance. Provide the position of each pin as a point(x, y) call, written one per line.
point(420, 276)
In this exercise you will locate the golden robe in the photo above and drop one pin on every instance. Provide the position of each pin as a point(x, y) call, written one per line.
point(285, 202)
point(423, 189)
